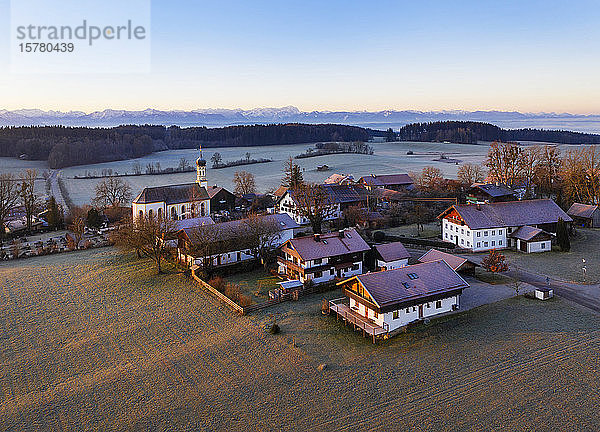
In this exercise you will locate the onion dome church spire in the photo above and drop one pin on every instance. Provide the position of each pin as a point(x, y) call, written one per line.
point(201, 171)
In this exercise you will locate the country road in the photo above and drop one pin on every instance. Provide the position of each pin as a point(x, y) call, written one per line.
point(56, 192)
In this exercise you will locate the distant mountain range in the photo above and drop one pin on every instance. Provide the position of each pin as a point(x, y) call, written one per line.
point(290, 114)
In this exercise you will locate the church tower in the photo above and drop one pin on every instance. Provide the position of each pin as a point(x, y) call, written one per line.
point(201, 171)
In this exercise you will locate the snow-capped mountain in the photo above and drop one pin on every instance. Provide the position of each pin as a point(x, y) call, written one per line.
point(214, 117)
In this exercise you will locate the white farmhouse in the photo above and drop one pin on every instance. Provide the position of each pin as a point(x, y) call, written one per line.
point(177, 202)
point(391, 256)
point(482, 227)
point(382, 302)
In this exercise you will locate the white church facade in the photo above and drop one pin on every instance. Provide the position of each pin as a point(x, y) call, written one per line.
point(177, 202)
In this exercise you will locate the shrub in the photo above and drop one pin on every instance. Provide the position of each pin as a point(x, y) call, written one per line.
point(494, 262)
point(233, 291)
point(274, 329)
point(218, 283)
point(244, 300)
point(379, 236)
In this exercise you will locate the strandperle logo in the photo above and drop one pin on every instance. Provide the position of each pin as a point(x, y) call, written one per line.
point(89, 33)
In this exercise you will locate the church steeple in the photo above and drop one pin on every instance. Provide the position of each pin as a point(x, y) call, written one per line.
point(201, 171)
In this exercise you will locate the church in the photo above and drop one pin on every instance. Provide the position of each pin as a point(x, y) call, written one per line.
point(178, 202)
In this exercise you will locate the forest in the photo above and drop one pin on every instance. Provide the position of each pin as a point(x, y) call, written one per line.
point(464, 132)
point(67, 146)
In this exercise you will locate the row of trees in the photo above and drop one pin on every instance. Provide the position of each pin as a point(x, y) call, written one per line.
point(67, 146)
point(18, 191)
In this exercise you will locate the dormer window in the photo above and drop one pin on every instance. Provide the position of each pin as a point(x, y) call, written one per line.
point(413, 276)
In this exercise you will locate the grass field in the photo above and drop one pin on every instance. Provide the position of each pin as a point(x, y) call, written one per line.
point(430, 230)
point(566, 265)
point(95, 341)
point(256, 283)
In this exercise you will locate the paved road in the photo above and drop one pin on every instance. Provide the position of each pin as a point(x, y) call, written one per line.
point(585, 295)
point(56, 192)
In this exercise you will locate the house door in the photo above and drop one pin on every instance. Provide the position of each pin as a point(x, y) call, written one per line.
point(420, 311)
point(523, 246)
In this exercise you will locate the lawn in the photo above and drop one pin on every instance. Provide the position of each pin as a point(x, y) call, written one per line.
point(94, 340)
point(565, 265)
point(256, 283)
point(431, 230)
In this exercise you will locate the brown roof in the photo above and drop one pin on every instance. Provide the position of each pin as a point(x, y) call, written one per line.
point(528, 233)
point(280, 191)
point(173, 194)
point(582, 210)
point(328, 245)
point(213, 190)
point(387, 180)
point(493, 190)
point(392, 251)
point(455, 262)
point(509, 214)
point(412, 282)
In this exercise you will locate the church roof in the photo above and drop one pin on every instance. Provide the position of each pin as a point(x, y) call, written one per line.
point(172, 194)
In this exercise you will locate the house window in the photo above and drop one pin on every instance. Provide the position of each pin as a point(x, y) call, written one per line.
point(407, 310)
point(375, 315)
point(543, 245)
point(438, 304)
point(478, 244)
point(414, 308)
point(413, 276)
point(494, 232)
point(446, 233)
point(355, 267)
point(462, 241)
point(499, 232)
point(395, 315)
point(478, 234)
point(239, 256)
point(318, 274)
point(150, 214)
point(485, 233)
point(493, 242)
point(159, 213)
point(468, 244)
point(462, 231)
point(485, 244)
point(318, 261)
point(141, 213)
point(428, 306)
point(500, 242)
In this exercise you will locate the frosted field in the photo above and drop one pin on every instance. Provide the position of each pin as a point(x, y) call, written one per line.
point(388, 158)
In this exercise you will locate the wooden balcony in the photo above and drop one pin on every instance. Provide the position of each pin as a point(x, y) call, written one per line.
point(342, 310)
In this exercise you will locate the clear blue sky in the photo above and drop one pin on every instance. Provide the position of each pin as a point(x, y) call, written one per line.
point(344, 55)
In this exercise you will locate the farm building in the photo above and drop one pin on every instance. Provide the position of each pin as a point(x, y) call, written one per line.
point(480, 193)
point(529, 239)
point(483, 227)
point(382, 302)
point(340, 197)
point(456, 263)
point(396, 182)
point(391, 256)
point(323, 257)
point(177, 202)
point(220, 199)
point(544, 293)
point(229, 243)
point(585, 215)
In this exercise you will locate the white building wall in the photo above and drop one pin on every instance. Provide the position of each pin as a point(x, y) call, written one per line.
point(331, 273)
point(392, 265)
point(182, 210)
point(475, 240)
point(406, 315)
point(287, 205)
point(535, 247)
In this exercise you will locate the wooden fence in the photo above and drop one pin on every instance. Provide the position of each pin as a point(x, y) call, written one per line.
point(222, 297)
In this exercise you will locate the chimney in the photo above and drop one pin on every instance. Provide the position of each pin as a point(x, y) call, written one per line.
point(479, 206)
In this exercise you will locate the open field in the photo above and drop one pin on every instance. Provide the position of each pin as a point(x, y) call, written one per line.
point(430, 230)
point(95, 341)
point(566, 265)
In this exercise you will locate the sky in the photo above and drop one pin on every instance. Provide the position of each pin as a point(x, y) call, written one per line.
point(528, 56)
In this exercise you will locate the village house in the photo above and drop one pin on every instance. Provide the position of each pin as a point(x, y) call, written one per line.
point(229, 245)
point(484, 227)
point(456, 263)
point(485, 193)
point(391, 256)
point(340, 198)
point(529, 239)
point(340, 179)
point(379, 303)
point(221, 199)
point(585, 215)
point(176, 202)
point(323, 257)
point(395, 182)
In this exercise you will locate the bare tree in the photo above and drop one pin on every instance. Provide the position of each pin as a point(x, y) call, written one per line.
point(77, 227)
point(137, 168)
point(216, 159)
point(529, 162)
point(112, 192)
point(262, 235)
point(183, 164)
point(430, 179)
point(244, 183)
point(581, 175)
point(206, 241)
point(313, 203)
point(548, 170)
point(29, 199)
point(470, 173)
point(9, 197)
point(504, 162)
point(146, 236)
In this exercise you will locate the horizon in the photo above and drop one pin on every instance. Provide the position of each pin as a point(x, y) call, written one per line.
point(341, 56)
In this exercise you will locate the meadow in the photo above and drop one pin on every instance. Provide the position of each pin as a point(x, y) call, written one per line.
point(96, 341)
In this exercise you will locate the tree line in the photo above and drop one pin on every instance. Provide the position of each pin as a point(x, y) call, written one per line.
point(466, 132)
point(68, 146)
